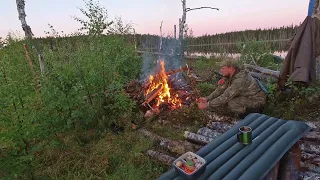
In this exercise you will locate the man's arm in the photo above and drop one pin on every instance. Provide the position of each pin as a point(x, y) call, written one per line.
point(218, 91)
point(232, 91)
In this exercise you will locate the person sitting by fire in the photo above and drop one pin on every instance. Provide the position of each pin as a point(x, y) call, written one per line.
point(242, 93)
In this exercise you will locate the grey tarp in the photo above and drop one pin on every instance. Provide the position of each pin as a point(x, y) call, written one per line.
point(230, 160)
point(300, 62)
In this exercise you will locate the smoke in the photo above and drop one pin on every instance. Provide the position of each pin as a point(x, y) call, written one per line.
point(169, 52)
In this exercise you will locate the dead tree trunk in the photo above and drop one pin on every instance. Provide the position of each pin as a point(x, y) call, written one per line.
point(22, 17)
point(182, 22)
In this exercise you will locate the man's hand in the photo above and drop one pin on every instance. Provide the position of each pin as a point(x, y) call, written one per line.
point(202, 105)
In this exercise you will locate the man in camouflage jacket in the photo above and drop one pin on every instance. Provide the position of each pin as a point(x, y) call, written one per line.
point(238, 89)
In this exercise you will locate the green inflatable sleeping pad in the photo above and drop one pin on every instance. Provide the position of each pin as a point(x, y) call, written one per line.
point(228, 159)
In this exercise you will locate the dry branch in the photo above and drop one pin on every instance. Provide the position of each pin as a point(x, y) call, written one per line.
point(164, 158)
point(263, 70)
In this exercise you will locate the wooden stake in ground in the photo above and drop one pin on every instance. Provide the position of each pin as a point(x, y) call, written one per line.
point(22, 17)
point(32, 69)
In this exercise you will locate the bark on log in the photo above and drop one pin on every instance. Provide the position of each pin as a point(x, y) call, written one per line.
point(273, 173)
point(310, 147)
point(22, 17)
point(310, 167)
point(164, 158)
point(308, 175)
point(220, 127)
point(314, 125)
point(310, 158)
point(290, 164)
point(203, 140)
point(208, 132)
point(217, 117)
point(263, 70)
point(177, 147)
point(312, 136)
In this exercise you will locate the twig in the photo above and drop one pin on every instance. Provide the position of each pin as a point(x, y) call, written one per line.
point(190, 9)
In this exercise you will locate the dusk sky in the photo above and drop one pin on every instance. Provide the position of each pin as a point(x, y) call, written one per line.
point(148, 14)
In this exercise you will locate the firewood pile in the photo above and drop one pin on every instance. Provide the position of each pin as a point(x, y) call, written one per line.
point(167, 150)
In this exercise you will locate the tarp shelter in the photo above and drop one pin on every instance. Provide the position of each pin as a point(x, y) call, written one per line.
point(300, 62)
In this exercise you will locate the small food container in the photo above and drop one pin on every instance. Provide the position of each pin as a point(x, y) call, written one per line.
point(190, 165)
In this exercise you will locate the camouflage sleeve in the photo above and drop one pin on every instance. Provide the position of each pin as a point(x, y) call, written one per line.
point(219, 90)
point(233, 90)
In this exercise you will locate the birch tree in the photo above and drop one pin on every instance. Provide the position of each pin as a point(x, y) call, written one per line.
point(22, 17)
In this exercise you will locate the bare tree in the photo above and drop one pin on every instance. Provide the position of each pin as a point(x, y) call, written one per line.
point(182, 22)
point(22, 17)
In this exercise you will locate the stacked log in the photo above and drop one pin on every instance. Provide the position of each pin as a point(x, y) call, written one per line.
point(308, 154)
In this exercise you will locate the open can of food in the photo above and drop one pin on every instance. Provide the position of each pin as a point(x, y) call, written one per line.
point(190, 165)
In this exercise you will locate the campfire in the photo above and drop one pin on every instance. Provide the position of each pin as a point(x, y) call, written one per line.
point(159, 90)
point(166, 90)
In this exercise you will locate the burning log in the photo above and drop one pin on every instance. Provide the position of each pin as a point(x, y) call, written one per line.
point(153, 94)
point(208, 132)
point(200, 139)
point(164, 158)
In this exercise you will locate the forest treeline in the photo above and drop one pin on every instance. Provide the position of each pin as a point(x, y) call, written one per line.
point(276, 38)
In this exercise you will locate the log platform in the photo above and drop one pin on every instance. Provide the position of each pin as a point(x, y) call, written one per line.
point(301, 161)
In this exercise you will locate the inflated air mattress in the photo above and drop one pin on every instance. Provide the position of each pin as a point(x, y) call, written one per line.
point(228, 159)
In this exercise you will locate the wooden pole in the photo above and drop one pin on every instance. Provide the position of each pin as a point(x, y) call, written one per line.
point(32, 69)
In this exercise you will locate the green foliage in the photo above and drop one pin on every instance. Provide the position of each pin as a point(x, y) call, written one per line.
point(82, 83)
point(97, 18)
point(205, 88)
point(257, 53)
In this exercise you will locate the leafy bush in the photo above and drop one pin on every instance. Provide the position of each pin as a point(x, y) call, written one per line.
point(82, 82)
point(257, 53)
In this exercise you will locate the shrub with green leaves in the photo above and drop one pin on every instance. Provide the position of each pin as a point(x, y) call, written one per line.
point(257, 53)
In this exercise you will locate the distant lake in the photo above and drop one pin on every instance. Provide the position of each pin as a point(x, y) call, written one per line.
point(232, 55)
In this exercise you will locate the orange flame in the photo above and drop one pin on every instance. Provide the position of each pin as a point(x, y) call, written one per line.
point(164, 96)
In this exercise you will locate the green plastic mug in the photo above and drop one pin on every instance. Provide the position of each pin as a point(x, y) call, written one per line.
point(245, 135)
